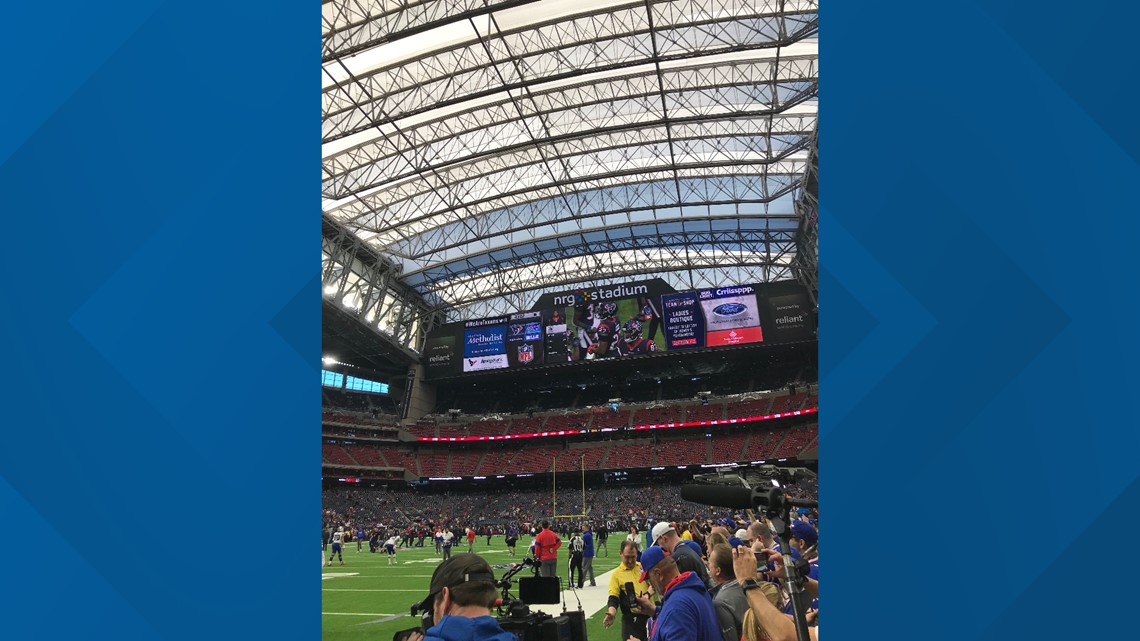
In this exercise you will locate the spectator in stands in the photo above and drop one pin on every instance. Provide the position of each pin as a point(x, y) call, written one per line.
point(727, 594)
point(687, 612)
point(665, 536)
point(546, 549)
point(761, 536)
point(697, 535)
point(804, 539)
point(714, 539)
point(462, 593)
point(588, 555)
point(633, 622)
point(577, 546)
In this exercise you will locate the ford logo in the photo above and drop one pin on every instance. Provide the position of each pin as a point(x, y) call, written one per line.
point(730, 309)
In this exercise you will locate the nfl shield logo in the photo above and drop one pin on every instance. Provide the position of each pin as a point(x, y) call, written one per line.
point(526, 353)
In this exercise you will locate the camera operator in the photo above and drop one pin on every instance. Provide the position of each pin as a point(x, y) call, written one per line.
point(462, 594)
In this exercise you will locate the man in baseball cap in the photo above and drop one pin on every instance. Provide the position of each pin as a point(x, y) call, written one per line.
point(460, 597)
point(665, 536)
point(687, 612)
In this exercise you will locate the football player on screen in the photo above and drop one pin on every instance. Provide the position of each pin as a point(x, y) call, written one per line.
point(634, 343)
point(586, 321)
point(606, 331)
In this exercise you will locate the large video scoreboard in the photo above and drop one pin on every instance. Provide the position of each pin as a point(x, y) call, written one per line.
point(621, 321)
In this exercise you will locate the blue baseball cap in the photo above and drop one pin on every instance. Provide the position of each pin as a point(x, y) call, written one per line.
point(651, 557)
point(801, 530)
point(693, 545)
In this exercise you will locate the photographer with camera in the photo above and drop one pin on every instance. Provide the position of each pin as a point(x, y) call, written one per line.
point(462, 593)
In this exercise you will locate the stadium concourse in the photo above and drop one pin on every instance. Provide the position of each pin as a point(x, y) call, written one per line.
point(569, 265)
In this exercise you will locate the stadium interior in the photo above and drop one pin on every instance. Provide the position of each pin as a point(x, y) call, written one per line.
point(567, 247)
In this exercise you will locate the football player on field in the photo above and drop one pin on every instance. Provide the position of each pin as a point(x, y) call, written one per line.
point(337, 543)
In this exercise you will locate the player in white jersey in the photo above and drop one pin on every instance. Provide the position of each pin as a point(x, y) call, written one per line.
point(390, 548)
point(337, 543)
point(447, 537)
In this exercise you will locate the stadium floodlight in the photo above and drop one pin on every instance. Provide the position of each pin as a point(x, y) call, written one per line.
point(328, 360)
point(330, 289)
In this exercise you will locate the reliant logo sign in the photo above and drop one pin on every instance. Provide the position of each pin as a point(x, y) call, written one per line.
point(789, 313)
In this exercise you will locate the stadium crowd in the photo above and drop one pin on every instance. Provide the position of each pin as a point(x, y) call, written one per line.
point(721, 572)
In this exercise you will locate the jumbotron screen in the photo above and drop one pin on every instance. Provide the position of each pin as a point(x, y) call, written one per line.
point(621, 321)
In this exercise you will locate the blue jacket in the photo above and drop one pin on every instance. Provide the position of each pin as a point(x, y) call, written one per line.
point(465, 629)
point(687, 613)
point(588, 550)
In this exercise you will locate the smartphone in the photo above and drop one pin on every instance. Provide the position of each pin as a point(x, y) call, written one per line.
point(404, 634)
point(631, 593)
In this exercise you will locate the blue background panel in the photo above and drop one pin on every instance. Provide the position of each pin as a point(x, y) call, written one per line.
point(160, 181)
point(978, 313)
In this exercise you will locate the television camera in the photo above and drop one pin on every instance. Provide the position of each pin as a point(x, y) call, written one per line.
point(515, 615)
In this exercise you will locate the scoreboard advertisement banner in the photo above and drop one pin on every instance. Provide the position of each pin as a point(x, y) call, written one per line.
point(790, 318)
point(622, 321)
point(684, 322)
point(712, 318)
point(484, 344)
point(732, 316)
point(439, 355)
point(525, 339)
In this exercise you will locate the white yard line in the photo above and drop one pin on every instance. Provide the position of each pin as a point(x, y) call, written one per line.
point(358, 614)
point(361, 590)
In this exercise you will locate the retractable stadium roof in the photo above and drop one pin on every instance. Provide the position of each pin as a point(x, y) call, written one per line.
point(496, 150)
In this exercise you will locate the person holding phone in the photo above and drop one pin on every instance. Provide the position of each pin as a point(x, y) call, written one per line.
point(625, 586)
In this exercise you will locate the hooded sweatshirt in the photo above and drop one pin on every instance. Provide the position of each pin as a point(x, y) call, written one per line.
point(452, 628)
point(687, 612)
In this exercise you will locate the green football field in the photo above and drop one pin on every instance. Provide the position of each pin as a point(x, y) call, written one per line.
point(368, 599)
